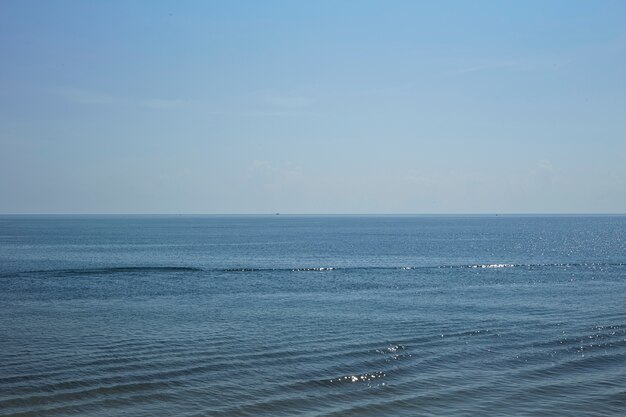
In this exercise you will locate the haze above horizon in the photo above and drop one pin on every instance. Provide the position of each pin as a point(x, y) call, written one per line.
point(351, 107)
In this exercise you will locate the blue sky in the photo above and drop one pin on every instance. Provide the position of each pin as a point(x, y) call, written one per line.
point(312, 107)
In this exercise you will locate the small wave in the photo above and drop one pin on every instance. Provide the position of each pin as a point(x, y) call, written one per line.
point(423, 267)
point(366, 377)
point(493, 266)
point(103, 271)
point(301, 269)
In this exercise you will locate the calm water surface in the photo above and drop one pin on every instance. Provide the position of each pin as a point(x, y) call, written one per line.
point(287, 315)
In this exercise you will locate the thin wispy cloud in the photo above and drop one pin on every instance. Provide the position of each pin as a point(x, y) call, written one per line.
point(288, 101)
point(406, 89)
point(80, 96)
point(525, 64)
point(160, 103)
point(488, 67)
point(91, 97)
point(275, 176)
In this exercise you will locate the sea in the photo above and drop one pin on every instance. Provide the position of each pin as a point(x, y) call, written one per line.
point(284, 315)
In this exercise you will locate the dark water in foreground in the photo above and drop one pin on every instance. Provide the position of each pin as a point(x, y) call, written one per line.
point(281, 315)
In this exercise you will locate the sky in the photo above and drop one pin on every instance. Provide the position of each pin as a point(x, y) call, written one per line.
point(220, 107)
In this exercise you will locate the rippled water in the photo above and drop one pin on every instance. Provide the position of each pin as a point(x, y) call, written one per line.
point(282, 315)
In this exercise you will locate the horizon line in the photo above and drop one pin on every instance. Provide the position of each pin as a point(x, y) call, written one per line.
point(493, 213)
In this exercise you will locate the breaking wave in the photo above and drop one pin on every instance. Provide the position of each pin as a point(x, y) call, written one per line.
point(141, 270)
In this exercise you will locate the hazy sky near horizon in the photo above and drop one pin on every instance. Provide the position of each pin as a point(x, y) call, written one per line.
point(312, 106)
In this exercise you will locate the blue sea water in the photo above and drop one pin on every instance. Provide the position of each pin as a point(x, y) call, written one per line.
point(313, 315)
